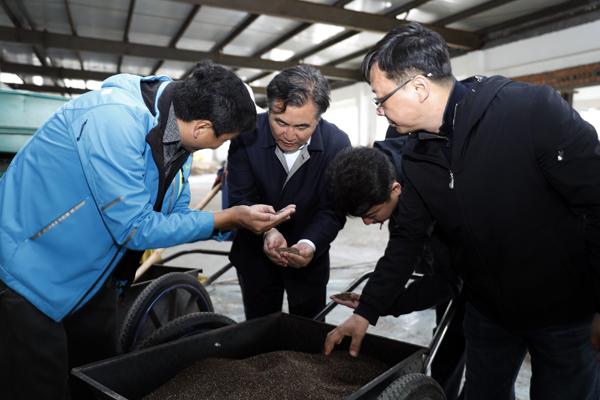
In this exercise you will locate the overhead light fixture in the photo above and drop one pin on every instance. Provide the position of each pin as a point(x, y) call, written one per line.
point(75, 83)
point(93, 85)
point(7, 77)
point(279, 54)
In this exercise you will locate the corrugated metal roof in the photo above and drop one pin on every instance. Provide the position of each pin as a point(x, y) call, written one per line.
point(263, 30)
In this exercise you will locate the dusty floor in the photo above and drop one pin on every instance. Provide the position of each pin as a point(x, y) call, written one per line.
point(354, 252)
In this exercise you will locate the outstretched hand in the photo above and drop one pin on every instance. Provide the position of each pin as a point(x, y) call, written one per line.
point(273, 240)
point(348, 299)
point(260, 218)
point(355, 327)
point(300, 260)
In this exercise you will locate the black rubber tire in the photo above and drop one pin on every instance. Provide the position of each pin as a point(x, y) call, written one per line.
point(413, 387)
point(164, 299)
point(186, 325)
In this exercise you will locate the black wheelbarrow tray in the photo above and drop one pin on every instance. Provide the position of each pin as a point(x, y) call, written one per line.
point(134, 375)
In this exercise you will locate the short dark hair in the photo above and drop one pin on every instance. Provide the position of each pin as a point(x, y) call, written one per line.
point(297, 85)
point(359, 179)
point(216, 94)
point(409, 49)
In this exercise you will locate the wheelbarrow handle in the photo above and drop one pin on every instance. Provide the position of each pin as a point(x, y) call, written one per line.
point(332, 304)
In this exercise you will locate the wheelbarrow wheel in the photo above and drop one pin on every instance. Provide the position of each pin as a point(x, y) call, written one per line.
point(186, 325)
point(164, 299)
point(413, 387)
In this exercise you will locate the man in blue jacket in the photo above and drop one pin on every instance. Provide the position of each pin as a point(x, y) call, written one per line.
point(282, 160)
point(106, 174)
point(510, 174)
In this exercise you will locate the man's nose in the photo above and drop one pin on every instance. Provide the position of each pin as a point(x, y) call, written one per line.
point(367, 220)
point(288, 133)
point(379, 111)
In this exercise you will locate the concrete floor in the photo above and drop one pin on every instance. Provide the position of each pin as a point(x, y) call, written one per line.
point(353, 253)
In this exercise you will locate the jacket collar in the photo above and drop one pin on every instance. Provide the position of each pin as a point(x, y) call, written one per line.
point(469, 111)
point(481, 91)
point(166, 171)
point(476, 101)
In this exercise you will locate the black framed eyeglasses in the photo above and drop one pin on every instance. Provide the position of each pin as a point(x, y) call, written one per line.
point(378, 101)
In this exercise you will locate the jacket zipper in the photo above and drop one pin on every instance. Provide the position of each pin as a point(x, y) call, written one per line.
point(451, 184)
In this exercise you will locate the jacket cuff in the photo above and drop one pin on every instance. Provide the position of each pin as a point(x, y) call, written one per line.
point(367, 312)
point(309, 243)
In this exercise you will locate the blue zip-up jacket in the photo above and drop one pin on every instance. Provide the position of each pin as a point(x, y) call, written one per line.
point(81, 192)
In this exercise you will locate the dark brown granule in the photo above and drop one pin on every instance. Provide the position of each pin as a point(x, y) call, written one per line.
point(344, 296)
point(278, 375)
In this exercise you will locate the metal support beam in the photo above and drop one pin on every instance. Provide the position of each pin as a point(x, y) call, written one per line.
point(566, 79)
point(471, 11)
point(53, 72)
point(39, 51)
point(61, 73)
point(173, 42)
point(150, 51)
point(554, 11)
point(320, 13)
point(327, 43)
point(288, 35)
point(348, 57)
point(324, 44)
point(48, 88)
point(73, 30)
point(406, 7)
point(250, 18)
point(126, 31)
point(293, 32)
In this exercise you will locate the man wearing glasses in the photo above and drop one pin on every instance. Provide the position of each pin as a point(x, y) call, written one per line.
point(282, 162)
point(510, 174)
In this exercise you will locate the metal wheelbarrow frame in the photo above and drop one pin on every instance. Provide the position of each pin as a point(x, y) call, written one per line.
point(136, 374)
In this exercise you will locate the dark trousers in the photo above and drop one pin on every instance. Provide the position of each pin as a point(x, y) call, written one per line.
point(563, 362)
point(263, 286)
point(37, 353)
point(449, 362)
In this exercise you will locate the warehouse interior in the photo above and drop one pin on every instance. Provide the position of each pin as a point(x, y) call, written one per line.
point(64, 48)
point(68, 47)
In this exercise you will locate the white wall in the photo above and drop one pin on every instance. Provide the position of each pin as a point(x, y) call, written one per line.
point(561, 49)
point(353, 112)
point(587, 102)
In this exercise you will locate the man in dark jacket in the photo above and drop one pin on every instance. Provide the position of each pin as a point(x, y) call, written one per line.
point(282, 162)
point(380, 169)
point(510, 173)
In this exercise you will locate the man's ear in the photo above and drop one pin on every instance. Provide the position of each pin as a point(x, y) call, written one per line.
point(422, 86)
point(396, 188)
point(200, 126)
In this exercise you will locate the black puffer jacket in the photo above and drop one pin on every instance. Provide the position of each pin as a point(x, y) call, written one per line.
point(519, 204)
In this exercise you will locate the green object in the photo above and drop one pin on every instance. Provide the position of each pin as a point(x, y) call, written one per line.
point(21, 114)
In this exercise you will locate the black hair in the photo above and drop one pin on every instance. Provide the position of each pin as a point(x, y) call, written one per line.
point(359, 179)
point(297, 85)
point(216, 94)
point(407, 50)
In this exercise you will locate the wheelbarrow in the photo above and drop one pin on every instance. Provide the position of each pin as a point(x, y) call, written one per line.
point(136, 374)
